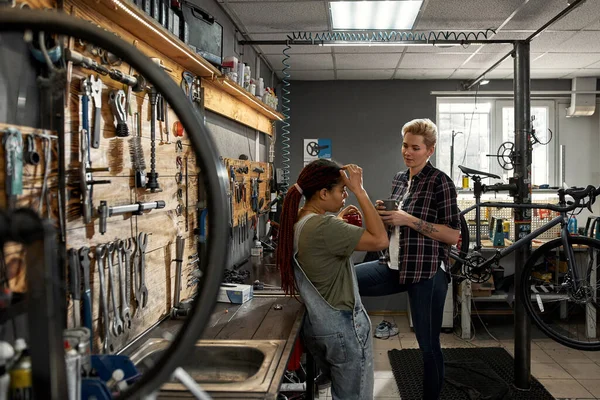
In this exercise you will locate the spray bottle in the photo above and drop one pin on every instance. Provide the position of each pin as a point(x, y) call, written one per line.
point(6, 353)
point(21, 381)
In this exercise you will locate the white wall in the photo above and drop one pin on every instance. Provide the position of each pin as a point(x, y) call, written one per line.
point(581, 138)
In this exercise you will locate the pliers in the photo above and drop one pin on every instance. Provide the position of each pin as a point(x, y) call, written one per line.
point(187, 85)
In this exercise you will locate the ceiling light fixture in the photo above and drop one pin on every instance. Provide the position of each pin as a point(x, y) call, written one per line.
point(484, 82)
point(367, 15)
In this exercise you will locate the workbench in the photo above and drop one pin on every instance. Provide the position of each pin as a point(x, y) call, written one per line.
point(257, 319)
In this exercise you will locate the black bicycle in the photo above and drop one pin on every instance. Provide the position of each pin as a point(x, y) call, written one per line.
point(559, 282)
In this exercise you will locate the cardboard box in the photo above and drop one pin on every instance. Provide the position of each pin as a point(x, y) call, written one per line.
point(233, 293)
point(484, 289)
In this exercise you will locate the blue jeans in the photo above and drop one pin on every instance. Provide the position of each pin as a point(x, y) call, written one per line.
point(427, 299)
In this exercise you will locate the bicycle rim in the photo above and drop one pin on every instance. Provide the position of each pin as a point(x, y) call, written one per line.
point(563, 307)
point(460, 250)
point(211, 168)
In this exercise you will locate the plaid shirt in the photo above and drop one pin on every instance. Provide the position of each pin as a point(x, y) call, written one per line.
point(432, 198)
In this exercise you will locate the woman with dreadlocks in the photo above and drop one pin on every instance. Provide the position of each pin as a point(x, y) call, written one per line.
point(313, 255)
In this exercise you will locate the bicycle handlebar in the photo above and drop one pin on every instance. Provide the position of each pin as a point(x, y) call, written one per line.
point(578, 194)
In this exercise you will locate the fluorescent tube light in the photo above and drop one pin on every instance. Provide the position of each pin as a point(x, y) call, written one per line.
point(381, 15)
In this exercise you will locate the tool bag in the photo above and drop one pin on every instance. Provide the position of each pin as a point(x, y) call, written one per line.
point(202, 33)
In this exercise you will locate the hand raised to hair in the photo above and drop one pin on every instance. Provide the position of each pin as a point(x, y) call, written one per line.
point(353, 177)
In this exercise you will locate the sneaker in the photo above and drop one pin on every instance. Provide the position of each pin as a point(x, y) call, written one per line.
point(386, 329)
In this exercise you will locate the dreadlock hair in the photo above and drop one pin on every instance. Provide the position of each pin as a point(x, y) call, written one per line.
point(319, 174)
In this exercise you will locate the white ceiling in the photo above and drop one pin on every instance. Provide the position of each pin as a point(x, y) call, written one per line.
point(569, 48)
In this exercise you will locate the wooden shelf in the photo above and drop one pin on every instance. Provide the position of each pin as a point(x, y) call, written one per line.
point(126, 15)
point(244, 96)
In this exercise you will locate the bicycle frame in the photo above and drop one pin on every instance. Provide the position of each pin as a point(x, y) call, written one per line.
point(525, 240)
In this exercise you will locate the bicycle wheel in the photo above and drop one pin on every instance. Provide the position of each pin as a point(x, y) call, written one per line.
point(211, 168)
point(565, 310)
point(460, 250)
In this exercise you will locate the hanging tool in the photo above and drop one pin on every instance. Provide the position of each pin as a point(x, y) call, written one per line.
point(254, 185)
point(152, 176)
point(127, 250)
point(136, 267)
point(86, 181)
point(258, 170)
point(116, 101)
point(137, 153)
point(160, 109)
point(136, 82)
point(13, 153)
point(107, 344)
point(117, 322)
point(166, 115)
point(30, 155)
point(179, 248)
point(96, 86)
point(187, 85)
point(143, 291)
point(104, 211)
point(75, 286)
point(187, 211)
point(125, 313)
point(84, 261)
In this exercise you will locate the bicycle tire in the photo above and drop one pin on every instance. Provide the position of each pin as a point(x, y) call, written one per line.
point(207, 158)
point(463, 250)
point(544, 298)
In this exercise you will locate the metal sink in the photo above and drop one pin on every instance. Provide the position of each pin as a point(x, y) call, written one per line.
point(220, 366)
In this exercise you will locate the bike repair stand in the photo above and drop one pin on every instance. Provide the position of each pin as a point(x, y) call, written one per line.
point(522, 217)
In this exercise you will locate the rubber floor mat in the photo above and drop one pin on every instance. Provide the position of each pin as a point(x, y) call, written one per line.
point(407, 366)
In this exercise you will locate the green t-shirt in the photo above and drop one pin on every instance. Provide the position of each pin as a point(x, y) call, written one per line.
point(324, 249)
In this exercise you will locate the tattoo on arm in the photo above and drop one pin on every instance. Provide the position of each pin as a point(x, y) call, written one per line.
point(424, 227)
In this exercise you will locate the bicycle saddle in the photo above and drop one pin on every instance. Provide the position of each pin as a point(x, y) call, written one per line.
point(469, 171)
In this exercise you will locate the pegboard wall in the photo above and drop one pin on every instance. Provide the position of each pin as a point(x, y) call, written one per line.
point(178, 179)
point(538, 218)
point(39, 190)
point(248, 188)
point(116, 161)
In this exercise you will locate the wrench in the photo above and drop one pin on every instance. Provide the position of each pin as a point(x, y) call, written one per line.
point(84, 260)
point(125, 313)
point(127, 249)
point(142, 243)
point(101, 253)
point(136, 266)
point(117, 324)
point(96, 85)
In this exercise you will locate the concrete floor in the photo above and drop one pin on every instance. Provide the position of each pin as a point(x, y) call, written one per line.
point(566, 373)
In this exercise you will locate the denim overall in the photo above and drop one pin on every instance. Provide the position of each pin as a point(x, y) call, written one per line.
point(339, 340)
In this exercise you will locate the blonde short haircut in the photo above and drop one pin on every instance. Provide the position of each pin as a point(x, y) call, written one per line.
point(422, 127)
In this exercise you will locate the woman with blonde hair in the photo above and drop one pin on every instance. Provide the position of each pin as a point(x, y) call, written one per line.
point(423, 227)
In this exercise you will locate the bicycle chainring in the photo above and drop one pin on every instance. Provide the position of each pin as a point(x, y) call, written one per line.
point(473, 270)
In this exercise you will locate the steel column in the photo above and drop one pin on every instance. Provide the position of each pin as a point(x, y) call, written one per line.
point(522, 217)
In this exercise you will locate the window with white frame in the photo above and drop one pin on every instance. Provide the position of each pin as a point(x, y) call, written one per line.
point(463, 135)
point(481, 126)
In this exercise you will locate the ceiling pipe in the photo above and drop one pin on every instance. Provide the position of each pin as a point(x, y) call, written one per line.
point(572, 5)
point(469, 84)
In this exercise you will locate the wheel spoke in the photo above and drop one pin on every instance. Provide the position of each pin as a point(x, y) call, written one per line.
point(562, 302)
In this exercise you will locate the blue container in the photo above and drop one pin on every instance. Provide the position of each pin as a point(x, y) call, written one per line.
point(572, 226)
point(104, 366)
